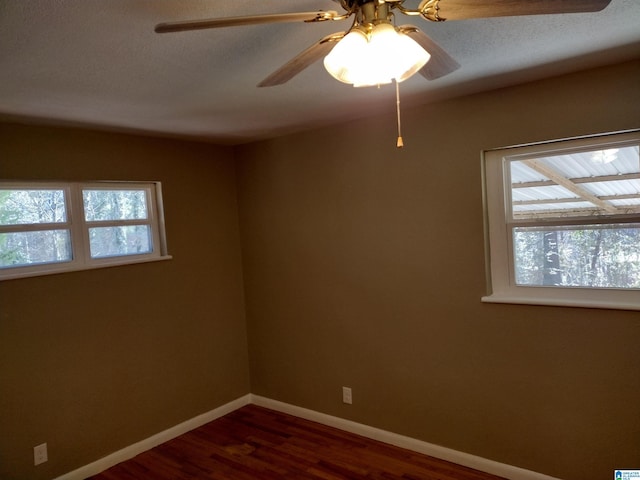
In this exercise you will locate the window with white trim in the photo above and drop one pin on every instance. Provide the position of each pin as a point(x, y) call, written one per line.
point(51, 227)
point(563, 222)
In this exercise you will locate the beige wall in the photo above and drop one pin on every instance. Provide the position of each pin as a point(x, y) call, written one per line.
point(364, 267)
point(94, 361)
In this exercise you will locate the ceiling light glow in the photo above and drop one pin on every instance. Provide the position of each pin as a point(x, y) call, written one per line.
point(376, 57)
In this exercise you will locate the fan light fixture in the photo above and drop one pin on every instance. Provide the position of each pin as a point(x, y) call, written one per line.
point(373, 51)
point(375, 56)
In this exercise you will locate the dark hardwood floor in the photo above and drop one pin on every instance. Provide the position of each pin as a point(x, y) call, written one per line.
point(254, 443)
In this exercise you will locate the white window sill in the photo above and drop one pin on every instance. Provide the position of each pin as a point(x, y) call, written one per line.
point(566, 302)
point(22, 272)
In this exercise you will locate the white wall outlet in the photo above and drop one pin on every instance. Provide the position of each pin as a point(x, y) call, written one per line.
point(40, 454)
point(346, 395)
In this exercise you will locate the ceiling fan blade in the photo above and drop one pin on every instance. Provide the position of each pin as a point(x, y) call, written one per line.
point(440, 63)
point(245, 20)
point(463, 9)
point(301, 61)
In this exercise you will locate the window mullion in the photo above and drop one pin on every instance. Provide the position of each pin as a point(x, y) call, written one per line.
point(34, 227)
point(117, 223)
point(79, 232)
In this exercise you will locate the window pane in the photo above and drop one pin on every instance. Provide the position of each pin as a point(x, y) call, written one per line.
point(116, 241)
point(581, 183)
point(101, 205)
point(603, 256)
point(20, 207)
point(27, 248)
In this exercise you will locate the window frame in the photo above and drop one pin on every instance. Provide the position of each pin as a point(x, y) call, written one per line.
point(499, 225)
point(78, 227)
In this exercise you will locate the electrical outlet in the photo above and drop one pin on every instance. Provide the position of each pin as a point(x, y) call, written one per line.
point(346, 395)
point(40, 454)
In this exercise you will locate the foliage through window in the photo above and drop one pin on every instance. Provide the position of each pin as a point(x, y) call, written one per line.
point(564, 222)
point(47, 227)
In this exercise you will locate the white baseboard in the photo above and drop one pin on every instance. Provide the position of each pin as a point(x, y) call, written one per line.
point(153, 441)
point(443, 453)
point(465, 459)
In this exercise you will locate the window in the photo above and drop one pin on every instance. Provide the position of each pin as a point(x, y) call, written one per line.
point(563, 222)
point(55, 227)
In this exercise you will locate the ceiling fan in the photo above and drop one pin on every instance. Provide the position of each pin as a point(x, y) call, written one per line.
point(375, 19)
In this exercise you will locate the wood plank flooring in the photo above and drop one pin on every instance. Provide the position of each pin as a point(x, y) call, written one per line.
point(254, 443)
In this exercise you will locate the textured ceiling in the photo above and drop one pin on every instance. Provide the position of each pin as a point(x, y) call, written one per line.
point(99, 63)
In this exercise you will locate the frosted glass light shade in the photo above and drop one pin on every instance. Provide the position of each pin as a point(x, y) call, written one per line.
point(410, 57)
point(346, 62)
point(375, 59)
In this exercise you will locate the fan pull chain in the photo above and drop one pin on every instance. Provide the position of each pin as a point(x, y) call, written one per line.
point(400, 143)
